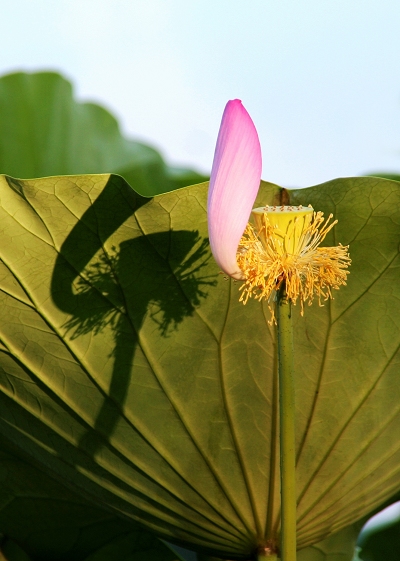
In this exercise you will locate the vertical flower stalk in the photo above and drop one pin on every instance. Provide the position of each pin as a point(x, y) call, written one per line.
point(287, 425)
point(279, 259)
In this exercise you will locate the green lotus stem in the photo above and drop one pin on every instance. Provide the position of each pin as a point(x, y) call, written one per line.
point(287, 427)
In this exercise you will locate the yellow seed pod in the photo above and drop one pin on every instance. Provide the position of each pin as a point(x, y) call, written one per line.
point(286, 226)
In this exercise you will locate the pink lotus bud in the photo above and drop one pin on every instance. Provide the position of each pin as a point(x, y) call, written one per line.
point(234, 183)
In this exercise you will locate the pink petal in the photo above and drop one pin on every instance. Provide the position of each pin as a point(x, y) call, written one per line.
point(234, 183)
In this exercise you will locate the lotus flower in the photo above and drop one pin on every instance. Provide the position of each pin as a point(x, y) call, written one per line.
point(283, 244)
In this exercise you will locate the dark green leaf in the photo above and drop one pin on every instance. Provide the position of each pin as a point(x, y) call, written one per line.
point(11, 551)
point(44, 131)
point(41, 518)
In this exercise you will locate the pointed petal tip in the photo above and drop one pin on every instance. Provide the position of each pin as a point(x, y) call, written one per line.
point(235, 101)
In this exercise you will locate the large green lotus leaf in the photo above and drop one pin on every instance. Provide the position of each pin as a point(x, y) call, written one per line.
point(49, 522)
point(45, 131)
point(130, 369)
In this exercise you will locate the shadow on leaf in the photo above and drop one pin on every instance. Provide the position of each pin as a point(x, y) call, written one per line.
point(115, 287)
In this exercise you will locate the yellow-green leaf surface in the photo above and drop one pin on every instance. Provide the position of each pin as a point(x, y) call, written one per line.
point(130, 369)
point(45, 131)
point(347, 357)
point(44, 520)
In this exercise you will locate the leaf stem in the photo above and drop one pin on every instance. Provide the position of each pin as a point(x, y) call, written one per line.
point(287, 427)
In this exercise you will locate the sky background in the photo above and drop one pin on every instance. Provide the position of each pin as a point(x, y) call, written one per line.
point(320, 78)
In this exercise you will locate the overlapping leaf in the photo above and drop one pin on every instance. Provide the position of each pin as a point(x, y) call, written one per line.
point(45, 131)
point(130, 369)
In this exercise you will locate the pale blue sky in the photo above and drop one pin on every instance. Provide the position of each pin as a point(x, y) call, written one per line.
point(321, 78)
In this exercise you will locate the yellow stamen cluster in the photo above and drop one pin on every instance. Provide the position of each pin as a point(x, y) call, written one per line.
point(283, 246)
